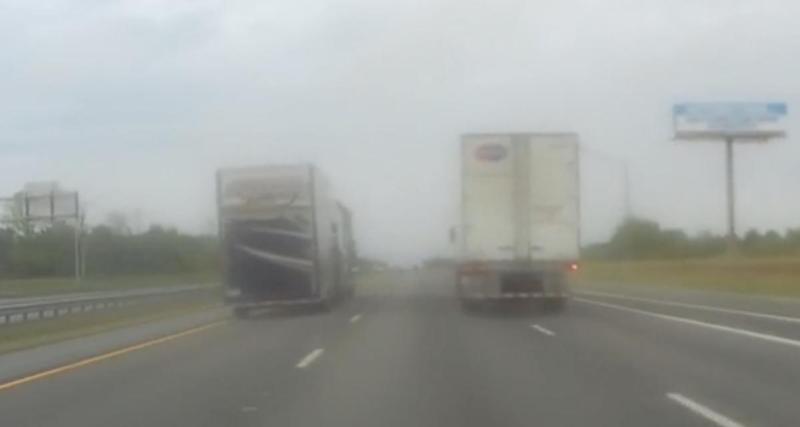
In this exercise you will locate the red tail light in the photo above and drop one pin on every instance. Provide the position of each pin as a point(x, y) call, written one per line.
point(573, 266)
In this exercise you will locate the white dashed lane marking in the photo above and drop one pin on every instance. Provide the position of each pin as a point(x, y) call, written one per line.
point(703, 411)
point(687, 321)
point(310, 358)
point(543, 330)
point(694, 306)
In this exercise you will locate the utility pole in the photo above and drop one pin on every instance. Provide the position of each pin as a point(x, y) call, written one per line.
point(626, 181)
point(84, 243)
point(78, 227)
point(731, 196)
point(628, 207)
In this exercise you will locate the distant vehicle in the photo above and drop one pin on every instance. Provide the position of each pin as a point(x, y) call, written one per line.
point(285, 240)
point(518, 238)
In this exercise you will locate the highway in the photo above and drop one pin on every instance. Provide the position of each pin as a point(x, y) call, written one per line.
point(404, 354)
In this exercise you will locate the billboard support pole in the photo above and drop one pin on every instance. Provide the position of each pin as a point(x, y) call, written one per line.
point(77, 253)
point(731, 195)
point(730, 122)
point(78, 233)
point(628, 207)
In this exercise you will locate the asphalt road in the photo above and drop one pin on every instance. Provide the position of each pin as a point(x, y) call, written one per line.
point(405, 355)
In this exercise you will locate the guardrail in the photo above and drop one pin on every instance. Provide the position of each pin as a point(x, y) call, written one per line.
point(17, 311)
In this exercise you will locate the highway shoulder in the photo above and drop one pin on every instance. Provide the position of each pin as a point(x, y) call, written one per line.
point(25, 362)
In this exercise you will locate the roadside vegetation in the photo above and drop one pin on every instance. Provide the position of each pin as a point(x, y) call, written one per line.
point(42, 261)
point(642, 253)
point(39, 259)
point(768, 276)
point(38, 286)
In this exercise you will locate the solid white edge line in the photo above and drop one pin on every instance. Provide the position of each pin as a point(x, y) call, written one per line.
point(310, 358)
point(543, 330)
point(694, 306)
point(714, 326)
point(703, 411)
point(355, 318)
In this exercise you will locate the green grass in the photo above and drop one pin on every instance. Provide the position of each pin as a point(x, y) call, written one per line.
point(47, 286)
point(34, 333)
point(768, 276)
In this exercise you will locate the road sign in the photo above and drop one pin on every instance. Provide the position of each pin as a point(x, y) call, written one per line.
point(42, 201)
point(730, 120)
point(41, 204)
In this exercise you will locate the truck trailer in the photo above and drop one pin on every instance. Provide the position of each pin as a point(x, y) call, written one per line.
point(285, 239)
point(518, 238)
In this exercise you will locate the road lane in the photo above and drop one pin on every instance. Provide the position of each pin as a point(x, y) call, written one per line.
point(753, 381)
point(414, 358)
point(701, 307)
point(420, 361)
point(38, 376)
point(29, 361)
point(703, 411)
point(201, 380)
point(777, 305)
point(760, 319)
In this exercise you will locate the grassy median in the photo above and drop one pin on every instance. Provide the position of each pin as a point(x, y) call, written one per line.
point(33, 333)
point(10, 288)
point(767, 276)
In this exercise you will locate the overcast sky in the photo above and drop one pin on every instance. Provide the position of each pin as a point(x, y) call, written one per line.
point(136, 103)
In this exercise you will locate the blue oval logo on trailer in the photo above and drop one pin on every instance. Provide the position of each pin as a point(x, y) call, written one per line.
point(491, 152)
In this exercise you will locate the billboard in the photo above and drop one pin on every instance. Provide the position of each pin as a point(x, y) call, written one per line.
point(722, 120)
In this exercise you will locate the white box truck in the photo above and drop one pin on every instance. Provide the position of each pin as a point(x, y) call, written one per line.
point(519, 233)
point(285, 240)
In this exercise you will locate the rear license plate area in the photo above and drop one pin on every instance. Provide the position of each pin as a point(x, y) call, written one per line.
point(515, 283)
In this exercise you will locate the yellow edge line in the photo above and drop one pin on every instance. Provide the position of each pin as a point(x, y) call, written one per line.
point(105, 356)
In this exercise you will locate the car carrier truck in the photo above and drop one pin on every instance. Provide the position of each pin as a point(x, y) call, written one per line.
point(285, 239)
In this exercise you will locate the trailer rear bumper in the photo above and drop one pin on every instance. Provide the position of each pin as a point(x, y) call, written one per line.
point(514, 296)
point(500, 281)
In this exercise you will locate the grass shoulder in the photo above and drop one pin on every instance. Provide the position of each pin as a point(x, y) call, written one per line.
point(13, 288)
point(778, 276)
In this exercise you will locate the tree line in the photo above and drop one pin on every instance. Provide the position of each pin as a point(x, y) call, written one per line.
point(640, 239)
point(50, 251)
